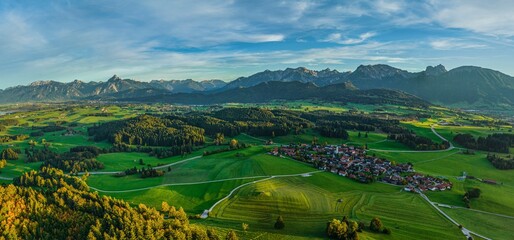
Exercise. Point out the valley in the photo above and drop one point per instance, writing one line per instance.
(248, 185)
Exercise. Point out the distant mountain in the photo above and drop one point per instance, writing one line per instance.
(468, 86)
(58, 91)
(187, 86)
(301, 74)
(379, 76)
(268, 91)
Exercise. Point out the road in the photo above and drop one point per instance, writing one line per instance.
(465, 231)
(205, 214)
(441, 137)
(451, 147)
(158, 167)
(6, 178)
(479, 211)
(175, 184)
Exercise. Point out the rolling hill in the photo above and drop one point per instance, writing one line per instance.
(268, 91)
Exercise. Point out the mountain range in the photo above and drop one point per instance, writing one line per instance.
(463, 86)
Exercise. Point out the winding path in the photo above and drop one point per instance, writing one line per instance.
(464, 230)
(174, 184)
(205, 214)
(479, 211)
(451, 147)
(158, 167)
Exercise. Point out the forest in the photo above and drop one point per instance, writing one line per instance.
(182, 132)
(497, 142)
(500, 162)
(52, 205)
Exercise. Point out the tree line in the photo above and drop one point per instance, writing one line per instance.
(497, 142)
(500, 162)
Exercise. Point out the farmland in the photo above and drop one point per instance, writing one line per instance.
(275, 186)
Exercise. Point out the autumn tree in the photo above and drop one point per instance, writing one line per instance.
(233, 143)
(375, 224)
(219, 139)
(231, 235)
(2, 163)
(245, 226)
(9, 154)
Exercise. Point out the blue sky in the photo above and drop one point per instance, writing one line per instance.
(145, 40)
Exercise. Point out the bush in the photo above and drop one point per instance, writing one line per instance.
(375, 224)
(279, 224)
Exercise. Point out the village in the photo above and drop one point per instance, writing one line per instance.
(353, 162)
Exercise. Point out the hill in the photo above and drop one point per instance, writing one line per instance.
(268, 91)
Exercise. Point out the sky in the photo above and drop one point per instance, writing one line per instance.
(212, 39)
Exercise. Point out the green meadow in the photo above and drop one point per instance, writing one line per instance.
(197, 182)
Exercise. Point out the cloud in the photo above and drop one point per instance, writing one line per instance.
(453, 44)
(221, 39)
(487, 17)
(18, 34)
(337, 38)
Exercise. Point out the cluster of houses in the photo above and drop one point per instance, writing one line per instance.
(354, 163)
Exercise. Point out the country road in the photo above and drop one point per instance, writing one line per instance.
(158, 167)
(479, 211)
(465, 231)
(205, 214)
(451, 147)
(6, 178)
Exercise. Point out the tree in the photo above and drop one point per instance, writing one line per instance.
(2, 163)
(375, 224)
(231, 235)
(233, 143)
(165, 207)
(9, 154)
(279, 224)
(366, 135)
(245, 226)
(219, 139)
(359, 135)
(212, 234)
(343, 229)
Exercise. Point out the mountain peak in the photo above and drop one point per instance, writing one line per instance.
(435, 71)
(42, 83)
(114, 78)
(379, 71)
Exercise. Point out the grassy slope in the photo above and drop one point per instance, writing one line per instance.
(495, 198)
(378, 200)
(496, 227)
(307, 203)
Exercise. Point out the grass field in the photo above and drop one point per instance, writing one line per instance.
(307, 203)
(450, 164)
(251, 162)
(15, 168)
(496, 227)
